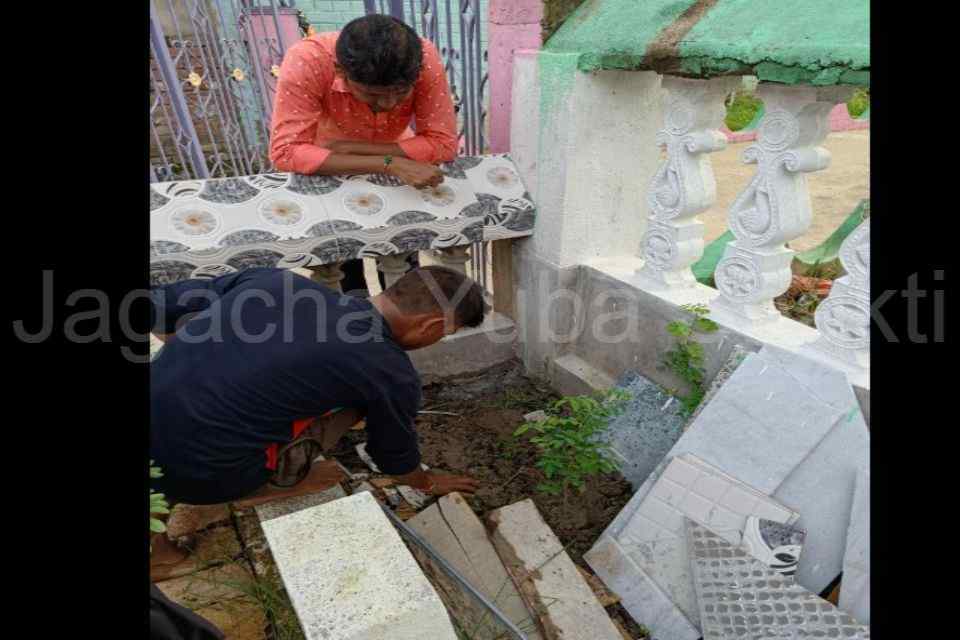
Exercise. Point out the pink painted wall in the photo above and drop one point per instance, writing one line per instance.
(840, 120)
(514, 24)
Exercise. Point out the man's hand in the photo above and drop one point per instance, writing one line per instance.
(438, 484)
(416, 174)
(444, 484)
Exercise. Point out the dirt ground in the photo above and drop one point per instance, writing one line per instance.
(834, 192)
(479, 442)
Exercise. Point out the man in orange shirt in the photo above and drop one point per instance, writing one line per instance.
(344, 105)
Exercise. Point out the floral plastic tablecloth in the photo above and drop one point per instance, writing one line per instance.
(235, 223)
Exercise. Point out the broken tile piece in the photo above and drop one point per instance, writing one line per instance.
(650, 424)
(452, 529)
(350, 576)
(740, 597)
(417, 499)
(855, 587)
(654, 538)
(546, 575)
(284, 506)
(393, 497)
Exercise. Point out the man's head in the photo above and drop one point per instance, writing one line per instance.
(379, 58)
(428, 303)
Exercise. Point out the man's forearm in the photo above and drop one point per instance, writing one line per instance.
(357, 148)
(348, 163)
(418, 479)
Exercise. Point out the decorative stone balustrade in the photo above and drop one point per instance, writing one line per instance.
(843, 319)
(775, 206)
(684, 184)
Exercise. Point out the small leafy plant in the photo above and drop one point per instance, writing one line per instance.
(570, 449)
(158, 503)
(687, 356)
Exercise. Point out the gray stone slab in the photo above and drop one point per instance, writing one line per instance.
(734, 360)
(763, 422)
(547, 576)
(821, 489)
(741, 597)
(649, 426)
(351, 577)
(638, 593)
(454, 531)
(855, 588)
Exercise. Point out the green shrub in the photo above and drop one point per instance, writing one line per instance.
(686, 358)
(570, 450)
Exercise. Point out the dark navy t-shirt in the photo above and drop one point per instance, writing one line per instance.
(268, 347)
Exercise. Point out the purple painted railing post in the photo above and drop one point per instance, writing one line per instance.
(186, 137)
(514, 24)
(270, 32)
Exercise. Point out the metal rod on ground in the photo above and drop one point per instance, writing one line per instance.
(453, 573)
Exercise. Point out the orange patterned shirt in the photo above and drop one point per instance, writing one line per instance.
(313, 106)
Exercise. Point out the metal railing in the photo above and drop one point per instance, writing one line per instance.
(213, 66)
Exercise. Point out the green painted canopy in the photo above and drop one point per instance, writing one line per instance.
(819, 42)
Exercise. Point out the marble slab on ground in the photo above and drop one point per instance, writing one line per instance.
(855, 587)
(638, 593)
(453, 530)
(350, 576)
(547, 577)
(655, 541)
(741, 597)
(649, 426)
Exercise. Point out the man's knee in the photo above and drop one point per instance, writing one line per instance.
(334, 426)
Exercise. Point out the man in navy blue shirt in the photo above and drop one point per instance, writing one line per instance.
(263, 369)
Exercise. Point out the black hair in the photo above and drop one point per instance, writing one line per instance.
(380, 51)
(433, 289)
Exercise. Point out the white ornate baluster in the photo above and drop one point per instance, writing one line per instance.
(684, 184)
(844, 317)
(775, 206)
(454, 258)
(393, 267)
